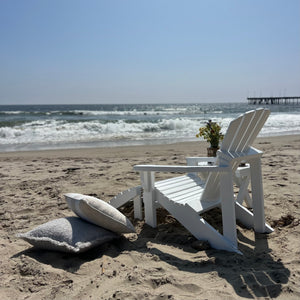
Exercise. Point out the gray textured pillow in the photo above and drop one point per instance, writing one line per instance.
(70, 234)
(99, 212)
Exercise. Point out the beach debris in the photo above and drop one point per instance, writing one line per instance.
(70, 170)
(285, 221)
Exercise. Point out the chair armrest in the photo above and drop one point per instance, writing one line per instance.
(180, 169)
(193, 161)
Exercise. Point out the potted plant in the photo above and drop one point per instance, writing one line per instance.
(211, 132)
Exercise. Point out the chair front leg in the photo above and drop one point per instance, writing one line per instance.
(228, 207)
(148, 180)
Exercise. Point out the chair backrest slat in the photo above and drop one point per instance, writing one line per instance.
(243, 143)
(241, 132)
(230, 134)
(262, 116)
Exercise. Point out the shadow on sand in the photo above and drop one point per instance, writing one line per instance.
(254, 274)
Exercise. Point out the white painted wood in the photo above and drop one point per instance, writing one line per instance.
(201, 207)
(243, 142)
(187, 196)
(175, 189)
(212, 188)
(243, 192)
(201, 229)
(260, 117)
(241, 132)
(148, 179)
(195, 196)
(150, 208)
(230, 134)
(194, 161)
(132, 194)
(125, 196)
(195, 191)
(242, 179)
(174, 180)
(257, 195)
(246, 217)
(182, 169)
(228, 208)
(137, 208)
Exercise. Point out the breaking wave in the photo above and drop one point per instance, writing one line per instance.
(58, 126)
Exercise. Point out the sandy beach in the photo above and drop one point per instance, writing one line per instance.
(154, 263)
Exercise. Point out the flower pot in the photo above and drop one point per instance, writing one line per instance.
(212, 151)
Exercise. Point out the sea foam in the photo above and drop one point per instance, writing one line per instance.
(58, 126)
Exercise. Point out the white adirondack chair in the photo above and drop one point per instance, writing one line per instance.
(187, 196)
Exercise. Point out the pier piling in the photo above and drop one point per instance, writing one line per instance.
(273, 100)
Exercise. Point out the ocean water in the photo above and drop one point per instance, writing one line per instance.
(35, 127)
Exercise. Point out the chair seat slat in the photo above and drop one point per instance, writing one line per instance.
(173, 189)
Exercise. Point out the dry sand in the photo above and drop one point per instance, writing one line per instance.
(160, 263)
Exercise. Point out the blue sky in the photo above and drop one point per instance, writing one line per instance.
(136, 51)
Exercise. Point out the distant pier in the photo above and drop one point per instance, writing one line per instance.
(273, 100)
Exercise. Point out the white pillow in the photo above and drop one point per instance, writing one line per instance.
(99, 212)
(70, 234)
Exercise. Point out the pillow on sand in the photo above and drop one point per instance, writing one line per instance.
(99, 212)
(70, 234)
